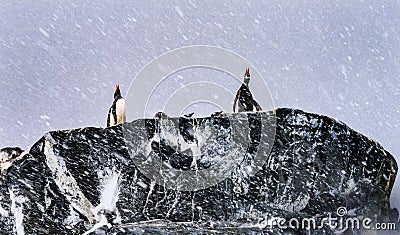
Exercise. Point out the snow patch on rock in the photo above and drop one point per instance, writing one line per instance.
(17, 211)
(108, 200)
(65, 182)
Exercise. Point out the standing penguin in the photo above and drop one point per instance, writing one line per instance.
(188, 115)
(160, 115)
(217, 114)
(116, 113)
(244, 101)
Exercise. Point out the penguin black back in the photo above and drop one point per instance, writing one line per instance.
(244, 101)
(113, 108)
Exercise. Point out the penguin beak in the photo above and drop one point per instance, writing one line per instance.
(247, 73)
(117, 87)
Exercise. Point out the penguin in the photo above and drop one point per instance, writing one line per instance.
(116, 113)
(217, 114)
(160, 115)
(188, 115)
(244, 101)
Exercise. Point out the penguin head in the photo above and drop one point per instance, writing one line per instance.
(160, 115)
(247, 76)
(117, 93)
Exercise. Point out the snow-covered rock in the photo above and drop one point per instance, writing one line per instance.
(87, 180)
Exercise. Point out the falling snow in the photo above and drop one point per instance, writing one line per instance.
(61, 60)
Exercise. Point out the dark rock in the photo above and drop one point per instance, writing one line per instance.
(73, 179)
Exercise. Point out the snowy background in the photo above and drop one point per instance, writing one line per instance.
(60, 61)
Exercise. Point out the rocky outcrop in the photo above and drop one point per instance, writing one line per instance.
(76, 180)
(8, 156)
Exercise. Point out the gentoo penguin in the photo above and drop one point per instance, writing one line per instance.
(217, 114)
(116, 113)
(188, 115)
(160, 115)
(244, 101)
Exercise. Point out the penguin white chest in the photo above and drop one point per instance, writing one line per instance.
(120, 111)
(238, 107)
